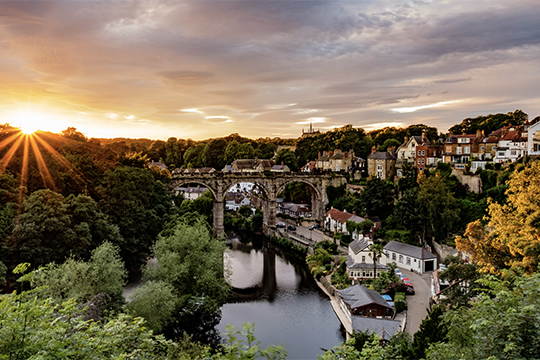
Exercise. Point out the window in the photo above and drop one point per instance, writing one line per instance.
(393, 256)
(482, 148)
(467, 149)
(400, 258)
(458, 150)
(408, 261)
(513, 153)
(379, 167)
(419, 152)
(363, 259)
(423, 152)
(501, 153)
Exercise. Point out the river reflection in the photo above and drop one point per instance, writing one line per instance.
(275, 291)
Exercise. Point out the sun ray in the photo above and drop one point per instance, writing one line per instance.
(42, 166)
(7, 157)
(4, 143)
(24, 173)
(61, 159)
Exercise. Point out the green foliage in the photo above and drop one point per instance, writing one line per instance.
(248, 349)
(191, 261)
(150, 296)
(287, 157)
(439, 207)
(344, 138)
(214, 154)
(296, 192)
(79, 280)
(330, 247)
(432, 330)
(502, 324)
(489, 123)
(389, 143)
(378, 198)
(40, 329)
(172, 153)
(139, 205)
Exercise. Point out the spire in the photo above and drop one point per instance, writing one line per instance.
(310, 128)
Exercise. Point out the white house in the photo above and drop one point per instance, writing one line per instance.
(360, 261)
(409, 257)
(533, 139)
(236, 200)
(190, 193)
(335, 220)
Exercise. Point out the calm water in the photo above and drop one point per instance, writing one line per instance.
(277, 294)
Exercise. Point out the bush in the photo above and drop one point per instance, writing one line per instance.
(329, 246)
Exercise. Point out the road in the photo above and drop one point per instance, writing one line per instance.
(417, 304)
(314, 235)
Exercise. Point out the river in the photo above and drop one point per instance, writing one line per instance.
(275, 292)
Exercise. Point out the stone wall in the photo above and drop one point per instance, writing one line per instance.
(443, 250)
(474, 181)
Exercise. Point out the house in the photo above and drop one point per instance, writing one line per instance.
(381, 164)
(512, 144)
(458, 149)
(280, 168)
(293, 210)
(309, 167)
(428, 155)
(341, 160)
(409, 257)
(190, 193)
(358, 300)
(336, 220)
(406, 153)
(533, 137)
(235, 201)
(251, 165)
(360, 262)
(159, 164)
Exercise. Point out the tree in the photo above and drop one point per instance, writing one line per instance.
(139, 205)
(432, 330)
(193, 156)
(190, 260)
(376, 252)
(501, 324)
(389, 143)
(214, 154)
(286, 157)
(43, 232)
(438, 205)
(33, 329)
(150, 296)
(378, 198)
(172, 152)
(73, 134)
(79, 280)
(513, 239)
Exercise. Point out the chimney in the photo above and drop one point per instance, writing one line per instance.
(319, 155)
(406, 139)
(346, 155)
(282, 163)
(478, 133)
(424, 137)
(373, 149)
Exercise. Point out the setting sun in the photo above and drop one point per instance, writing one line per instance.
(32, 120)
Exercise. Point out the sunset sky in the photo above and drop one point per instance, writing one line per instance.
(199, 69)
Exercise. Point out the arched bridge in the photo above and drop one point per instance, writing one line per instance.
(270, 183)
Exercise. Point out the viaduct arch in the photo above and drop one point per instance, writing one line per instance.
(270, 184)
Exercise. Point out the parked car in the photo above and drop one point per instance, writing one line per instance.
(281, 225)
(410, 290)
(292, 228)
(313, 227)
(407, 282)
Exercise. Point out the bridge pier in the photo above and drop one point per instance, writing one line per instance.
(219, 228)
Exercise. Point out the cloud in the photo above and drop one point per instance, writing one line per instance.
(420, 107)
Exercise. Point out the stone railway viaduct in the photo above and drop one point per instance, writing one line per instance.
(270, 184)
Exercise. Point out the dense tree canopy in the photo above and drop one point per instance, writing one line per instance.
(512, 236)
(489, 123)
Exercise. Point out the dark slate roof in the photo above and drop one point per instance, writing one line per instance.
(358, 245)
(382, 155)
(410, 250)
(383, 327)
(358, 295)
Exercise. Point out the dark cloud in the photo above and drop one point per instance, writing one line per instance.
(351, 61)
